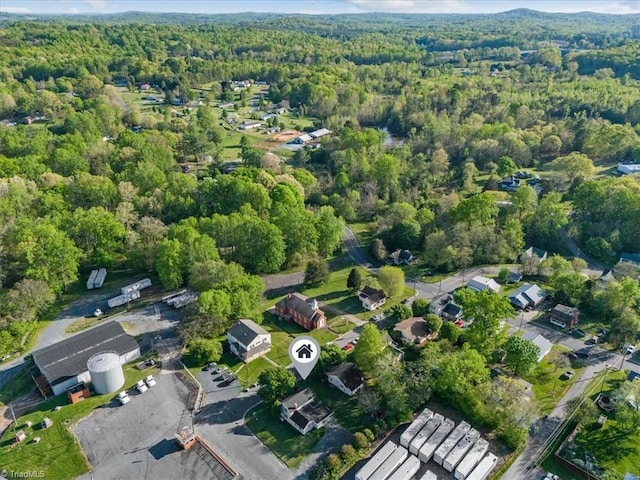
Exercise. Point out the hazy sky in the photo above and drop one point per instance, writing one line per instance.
(315, 6)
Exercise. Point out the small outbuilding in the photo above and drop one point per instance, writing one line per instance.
(480, 284)
(347, 378)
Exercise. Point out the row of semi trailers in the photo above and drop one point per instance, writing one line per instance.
(430, 435)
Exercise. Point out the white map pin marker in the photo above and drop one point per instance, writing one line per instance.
(304, 352)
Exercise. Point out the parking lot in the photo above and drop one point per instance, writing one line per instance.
(137, 440)
(220, 423)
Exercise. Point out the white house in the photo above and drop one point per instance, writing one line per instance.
(248, 340)
(249, 125)
(347, 378)
(480, 284)
(303, 412)
(542, 343)
(372, 298)
(320, 133)
(527, 296)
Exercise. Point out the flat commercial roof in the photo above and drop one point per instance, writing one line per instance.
(68, 358)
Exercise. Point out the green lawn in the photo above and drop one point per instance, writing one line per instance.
(58, 454)
(280, 437)
(249, 373)
(345, 409)
(363, 233)
(548, 387)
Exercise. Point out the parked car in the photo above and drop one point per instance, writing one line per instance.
(347, 347)
(579, 332)
(141, 386)
(150, 381)
(97, 313)
(123, 398)
(630, 349)
(568, 375)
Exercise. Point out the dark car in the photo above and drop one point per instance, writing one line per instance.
(579, 332)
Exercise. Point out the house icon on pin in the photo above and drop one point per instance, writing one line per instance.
(304, 351)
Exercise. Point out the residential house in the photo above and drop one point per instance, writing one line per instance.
(400, 257)
(444, 307)
(630, 258)
(303, 412)
(248, 340)
(509, 184)
(225, 105)
(628, 168)
(515, 277)
(527, 296)
(249, 125)
(372, 298)
(302, 310)
(267, 116)
(542, 343)
(531, 251)
(564, 316)
(347, 378)
(414, 330)
(301, 139)
(145, 86)
(320, 133)
(480, 284)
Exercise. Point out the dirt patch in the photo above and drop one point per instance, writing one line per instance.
(286, 135)
(21, 406)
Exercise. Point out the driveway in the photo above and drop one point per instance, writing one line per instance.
(221, 424)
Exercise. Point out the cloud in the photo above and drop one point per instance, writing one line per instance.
(413, 6)
(96, 3)
(619, 7)
(11, 9)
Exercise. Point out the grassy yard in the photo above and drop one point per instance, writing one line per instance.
(363, 233)
(345, 409)
(20, 384)
(249, 373)
(58, 454)
(280, 437)
(548, 387)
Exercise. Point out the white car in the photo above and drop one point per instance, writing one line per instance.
(141, 386)
(631, 349)
(123, 398)
(97, 313)
(150, 381)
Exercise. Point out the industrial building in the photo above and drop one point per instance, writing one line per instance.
(64, 364)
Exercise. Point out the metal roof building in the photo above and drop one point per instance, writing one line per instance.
(64, 364)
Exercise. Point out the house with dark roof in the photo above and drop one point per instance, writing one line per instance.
(531, 252)
(400, 257)
(64, 364)
(347, 378)
(303, 412)
(527, 296)
(248, 340)
(444, 307)
(509, 184)
(564, 316)
(414, 330)
(452, 312)
(302, 310)
(371, 298)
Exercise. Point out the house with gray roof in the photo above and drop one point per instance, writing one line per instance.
(533, 251)
(302, 310)
(248, 340)
(64, 364)
(303, 412)
(347, 378)
(527, 296)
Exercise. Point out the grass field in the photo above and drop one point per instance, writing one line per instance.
(58, 455)
(548, 387)
(280, 437)
(345, 409)
(20, 384)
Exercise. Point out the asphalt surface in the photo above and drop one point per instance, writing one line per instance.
(221, 424)
(137, 440)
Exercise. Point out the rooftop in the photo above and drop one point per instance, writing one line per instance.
(68, 358)
(413, 329)
(349, 375)
(373, 294)
(246, 331)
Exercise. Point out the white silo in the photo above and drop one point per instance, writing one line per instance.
(106, 372)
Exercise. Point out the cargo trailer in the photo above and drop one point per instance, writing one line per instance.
(429, 475)
(472, 459)
(374, 462)
(482, 471)
(122, 299)
(407, 470)
(415, 426)
(100, 278)
(392, 462)
(424, 434)
(428, 449)
(92, 279)
(446, 447)
(460, 450)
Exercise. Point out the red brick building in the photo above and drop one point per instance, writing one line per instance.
(302, 310)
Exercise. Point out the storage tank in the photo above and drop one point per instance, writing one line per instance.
(106, 372)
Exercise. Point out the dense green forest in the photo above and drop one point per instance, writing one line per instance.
(91, 175)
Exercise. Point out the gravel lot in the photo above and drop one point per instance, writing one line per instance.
(136, 440)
